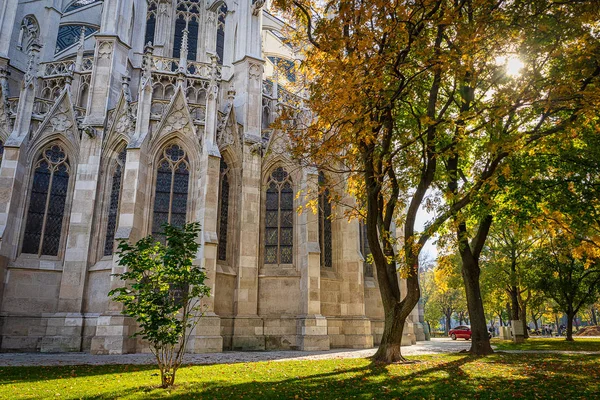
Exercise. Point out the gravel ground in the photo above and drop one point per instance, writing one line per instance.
(436, 346)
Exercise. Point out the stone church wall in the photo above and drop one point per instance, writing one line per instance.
(118, 111)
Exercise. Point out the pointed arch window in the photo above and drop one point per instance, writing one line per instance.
(113, 204)
(171, 192)
(78, 4)
(150, 22)
(365, 250)
(68, 35)
(43, 228)
(221, 15)
(30, 31)
(325, 236)
(187, 14)
(223, 210)
(279, 219)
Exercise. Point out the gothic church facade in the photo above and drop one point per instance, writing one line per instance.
(120, 115)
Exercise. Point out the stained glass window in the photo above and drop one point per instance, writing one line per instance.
(78, 4)
(1, 150)
(365, 250)
(68, 35)
(150, 22)
(221, 15)
(187, 15)
(113, 205)
(279, 219)
(286, 66)
(223, 211)
(171, 194)
(45, 214)
(325, 238)
(30, 30)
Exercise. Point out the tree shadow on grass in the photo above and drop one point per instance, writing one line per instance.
(370, 381)
(35, 374)
(464, 377)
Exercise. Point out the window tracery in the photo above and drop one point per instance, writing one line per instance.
(365, 250)
(221, 15)
(68, 35)
(171, 189)
(223, 210)
(325, 236)
(151, 16)
(279, 219)
(43, 227)
(187, 17)
(114, 201)
(78, 4)
(30, 31)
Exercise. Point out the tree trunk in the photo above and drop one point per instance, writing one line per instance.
(524, 318)
(447, 316)
(535, 322)
(514, 303)
(594, 318)
(556, 323)
(570, 316)
(389, 349)
(480, 341)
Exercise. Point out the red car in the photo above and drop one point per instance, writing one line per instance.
(461, 331)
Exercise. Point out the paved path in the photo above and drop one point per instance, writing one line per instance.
(436, 346)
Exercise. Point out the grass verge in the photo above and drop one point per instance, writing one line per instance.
(580, 344)
(500, 376)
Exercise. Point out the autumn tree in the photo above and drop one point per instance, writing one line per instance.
(446, 296)
(431, 312)
(508, 255)
(421, 103)
(567, 275)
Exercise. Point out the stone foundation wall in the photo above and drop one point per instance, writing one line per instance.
(29, 291)
(22, 333)
(96, 293)
(279, 296)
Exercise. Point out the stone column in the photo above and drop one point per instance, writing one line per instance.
(13, 168)
(65, 327)
(51, 20)
(8, 13)
(13, 161)
(113, 330)
(248, 331)
(206, 336)
(355, 325)
(311, 325)
(162, 30)
(210, 29)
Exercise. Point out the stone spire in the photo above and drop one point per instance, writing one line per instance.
(32, 63)
(80, 48)
(183, 53)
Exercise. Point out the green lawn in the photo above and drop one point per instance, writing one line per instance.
(580, 344)
(501, 376)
